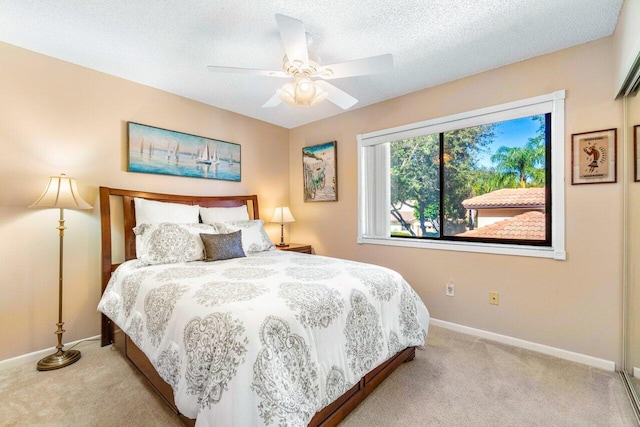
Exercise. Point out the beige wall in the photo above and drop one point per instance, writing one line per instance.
(573, 304)
(58, 117)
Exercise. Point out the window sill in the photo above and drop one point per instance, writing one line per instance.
(487, 248)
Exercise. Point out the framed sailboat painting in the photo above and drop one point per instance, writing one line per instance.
(167, 152)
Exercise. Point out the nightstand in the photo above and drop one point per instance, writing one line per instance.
(296, 247)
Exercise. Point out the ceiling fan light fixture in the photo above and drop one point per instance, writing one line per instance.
(321, 95)
(303, 92)
(287, 94)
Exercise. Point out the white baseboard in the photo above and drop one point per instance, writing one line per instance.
(636, 372)
(595, 362)
(37, 355)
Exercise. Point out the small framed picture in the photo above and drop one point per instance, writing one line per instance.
(593, 157)
(320, 173)
(636, 153)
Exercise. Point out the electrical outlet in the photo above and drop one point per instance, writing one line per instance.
(449, 289)
(494, 298)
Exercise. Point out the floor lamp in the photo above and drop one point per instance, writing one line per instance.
(61, 193)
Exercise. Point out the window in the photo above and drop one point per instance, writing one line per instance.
(489, 180)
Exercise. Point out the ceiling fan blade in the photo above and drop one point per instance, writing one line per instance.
(337, 96)
(371, 65)
(293, 38)
(273, 102)
(252, 71)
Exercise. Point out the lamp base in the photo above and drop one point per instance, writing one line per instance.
(58, 360)
(282, 245)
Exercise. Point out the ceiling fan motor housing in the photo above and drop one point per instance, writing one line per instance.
(298, 68)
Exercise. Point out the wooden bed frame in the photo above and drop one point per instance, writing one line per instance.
(112, 334)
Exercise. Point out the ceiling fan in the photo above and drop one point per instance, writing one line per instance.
(309, 86)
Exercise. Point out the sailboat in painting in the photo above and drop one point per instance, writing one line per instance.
(207, 157)
(214, 156)
(173, 152)
(149, 149)
(203, 159)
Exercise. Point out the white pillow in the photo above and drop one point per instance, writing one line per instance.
(168, 243)
(213, 215)
(152, 212)
(254, 238)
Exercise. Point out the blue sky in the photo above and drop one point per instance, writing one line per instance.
(512, 133)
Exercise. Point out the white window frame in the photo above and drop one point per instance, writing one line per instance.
(376, 231)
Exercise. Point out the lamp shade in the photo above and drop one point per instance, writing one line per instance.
(282, 214)
(61, 192)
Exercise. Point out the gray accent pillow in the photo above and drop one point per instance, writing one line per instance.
(222, 246)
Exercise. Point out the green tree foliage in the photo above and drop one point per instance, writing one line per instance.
(461, 149)
(415, 179)
(484, 181)
(521, 167)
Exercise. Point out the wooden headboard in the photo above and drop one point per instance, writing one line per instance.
(129, 222)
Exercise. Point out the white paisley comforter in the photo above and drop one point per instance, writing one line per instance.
(269, 339)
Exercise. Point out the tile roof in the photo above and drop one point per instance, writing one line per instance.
(528, 226)
(508, 198)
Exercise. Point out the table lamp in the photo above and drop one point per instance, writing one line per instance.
(282, 215)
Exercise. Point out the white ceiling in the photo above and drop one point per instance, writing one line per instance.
(167, 44)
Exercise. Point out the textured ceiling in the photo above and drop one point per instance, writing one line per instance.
(168, 44)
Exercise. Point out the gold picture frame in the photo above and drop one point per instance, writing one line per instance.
(593, 157)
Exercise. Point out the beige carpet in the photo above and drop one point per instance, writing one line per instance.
(458, 381)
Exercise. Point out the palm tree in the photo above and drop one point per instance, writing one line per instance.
(520, 166)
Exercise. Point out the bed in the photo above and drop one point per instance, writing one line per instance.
(267, 337)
